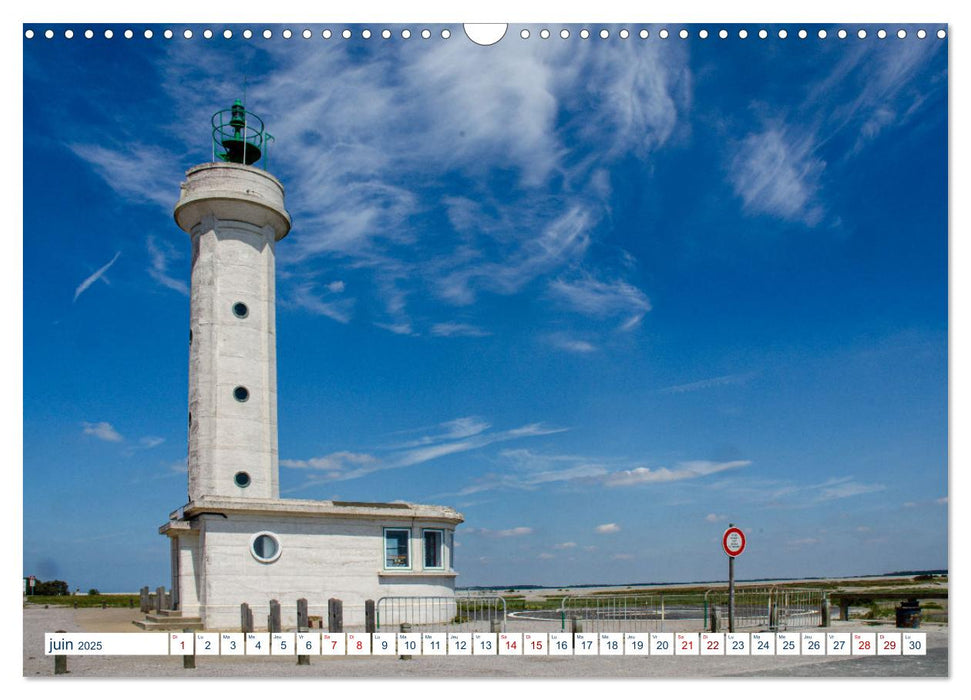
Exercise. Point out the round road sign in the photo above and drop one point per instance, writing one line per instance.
(733, 541)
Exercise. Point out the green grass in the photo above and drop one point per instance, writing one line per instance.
(85, 601)
(877, 612)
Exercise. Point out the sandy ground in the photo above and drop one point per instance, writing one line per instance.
(37, 621)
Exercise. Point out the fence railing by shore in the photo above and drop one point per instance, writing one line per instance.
(461, 613)
(769, 609)
(755, 608)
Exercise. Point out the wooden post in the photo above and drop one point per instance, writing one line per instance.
(303, 625)
(369, 624)
(824, 613)
(844, 609)
(495, 625)
(335, 615)
(159, 599)
(60, 660)
(245, 618)
(405, 628)
(144, 601)
(274, 620)
(714, 618)
(303, 618)
(575, 625)
(189, 660)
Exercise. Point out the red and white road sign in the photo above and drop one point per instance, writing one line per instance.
(733, 541)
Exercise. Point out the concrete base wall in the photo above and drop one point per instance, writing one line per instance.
(187, 593)
(320, 558)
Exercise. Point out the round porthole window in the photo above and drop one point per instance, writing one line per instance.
(241, 393)
(265, 547)
(242, 479)
(240, 310)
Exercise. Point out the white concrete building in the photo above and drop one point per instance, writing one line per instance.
(237, 541)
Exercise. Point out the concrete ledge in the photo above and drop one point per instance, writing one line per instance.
(296, 507)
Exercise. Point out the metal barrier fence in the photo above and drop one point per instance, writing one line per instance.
(800, 607)
(474, 613)
(755, 608)
(634, 613)
(767, 608)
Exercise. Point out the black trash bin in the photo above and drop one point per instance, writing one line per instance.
(908, 614)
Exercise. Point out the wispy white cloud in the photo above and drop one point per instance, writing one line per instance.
(334, 462)
(302, 295)
(775, 172)
(134, 171)
(724, 380)
(805, 495)
(458, 330)
(463, 427)
(563, 238)
(845, 488)
(148, 442)
(607, 529)
(565, 545)
(581, 471)
(515, 532)
(527, 470)
(162, 254)
(98, 275)
(569, 344)
(453, 437)
(102, 431)
(684, 470)
(486, 532)
(869, 92)
(381, 145)
(593, 297)
(397, 328)
(715, 518)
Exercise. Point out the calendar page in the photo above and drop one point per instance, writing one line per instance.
(417, 348)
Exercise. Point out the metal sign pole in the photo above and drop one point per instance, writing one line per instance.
(731, 589)
(731, 594)
(733, 542)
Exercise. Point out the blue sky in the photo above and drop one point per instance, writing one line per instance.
(602, 296)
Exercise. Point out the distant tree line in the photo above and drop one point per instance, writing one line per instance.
(48, 588)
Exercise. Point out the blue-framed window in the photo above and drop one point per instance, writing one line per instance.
(397, 548)
(433, 547)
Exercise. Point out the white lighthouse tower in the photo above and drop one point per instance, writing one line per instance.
(236, 541)
(235, 214)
